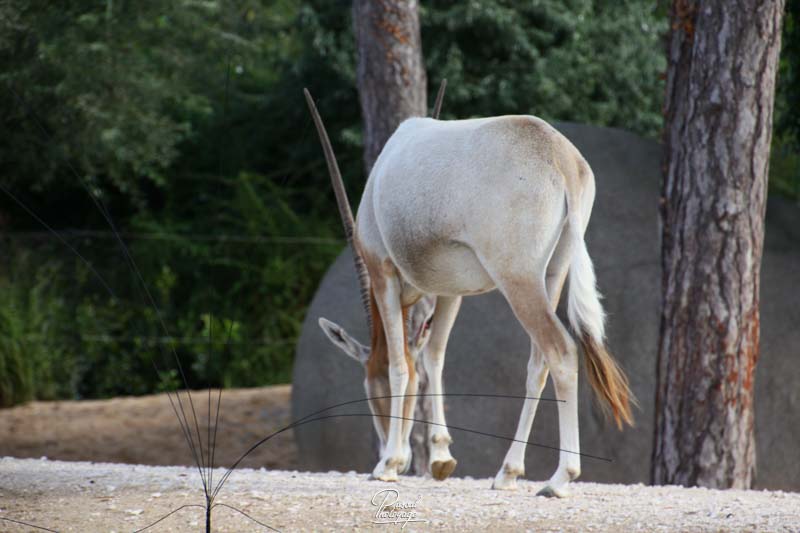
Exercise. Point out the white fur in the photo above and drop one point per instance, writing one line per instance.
(583, 305)
(455, 208)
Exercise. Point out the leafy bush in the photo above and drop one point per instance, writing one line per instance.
(185, 121)
(597, 62)
(230, 278)
(34, 326)
(784, 169)
(256, 274)
(785, 160)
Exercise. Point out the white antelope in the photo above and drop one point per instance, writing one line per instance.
(455, 208)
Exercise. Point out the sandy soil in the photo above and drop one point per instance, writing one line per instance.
(89, 497)
(145, 430)
(106, 497)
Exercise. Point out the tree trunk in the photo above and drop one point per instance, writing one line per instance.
(392, 86)
(722, 60)
(391, 75)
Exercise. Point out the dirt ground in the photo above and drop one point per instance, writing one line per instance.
(144, 430)
(91, 497)
(102, 497)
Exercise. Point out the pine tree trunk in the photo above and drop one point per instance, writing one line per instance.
(392, 83)
(722, 60)
(392, 86)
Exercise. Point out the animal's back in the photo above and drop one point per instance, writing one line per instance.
(442, 192)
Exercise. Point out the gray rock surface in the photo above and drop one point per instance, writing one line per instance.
(488, 350)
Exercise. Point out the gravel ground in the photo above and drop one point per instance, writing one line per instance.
(76, 496)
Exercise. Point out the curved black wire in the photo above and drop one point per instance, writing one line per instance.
(114, 297)
(308, 418)
(60, 238)
(141, 286)
(466, 430)
(213, 444)
(27, 524)
(170, 514)
(212, 448)
(245, 514)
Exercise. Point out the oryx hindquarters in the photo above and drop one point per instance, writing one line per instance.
(462, 207)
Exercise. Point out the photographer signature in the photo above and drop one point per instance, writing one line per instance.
(392, 511)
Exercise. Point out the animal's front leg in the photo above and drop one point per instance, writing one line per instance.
(442, 463)
(387, 297)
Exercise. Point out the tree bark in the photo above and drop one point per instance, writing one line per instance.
(392, 86)
(392, 83)
(722, 60)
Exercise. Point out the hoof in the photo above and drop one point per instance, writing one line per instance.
(505, 484)
(405, 465)
(550, 492)
(386, 475)
(441, 470)
(386, 470)
(506, 478)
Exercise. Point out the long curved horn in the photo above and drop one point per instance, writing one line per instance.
(344, 206)
(437, 107)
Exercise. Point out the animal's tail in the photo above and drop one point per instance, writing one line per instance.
(587, 319)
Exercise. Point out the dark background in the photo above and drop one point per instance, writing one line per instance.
(183, 124)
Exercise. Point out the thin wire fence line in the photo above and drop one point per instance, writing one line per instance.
(176, 237)
(114, 297)
(132, 265)
(108, 339)
(220, 238)
(146, 295)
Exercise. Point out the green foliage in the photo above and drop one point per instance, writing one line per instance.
(577, 60)
(254, 278)
(785, 159)
(185, 120)
(229, 278)
(32, 326)
(100, 77)
(788, 89)
(130, 94)
(784, 169)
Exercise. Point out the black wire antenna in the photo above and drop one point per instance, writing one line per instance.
(203, 456)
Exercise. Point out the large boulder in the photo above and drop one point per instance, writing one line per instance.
(488, 350)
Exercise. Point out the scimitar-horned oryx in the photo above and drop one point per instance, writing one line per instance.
(461, 207)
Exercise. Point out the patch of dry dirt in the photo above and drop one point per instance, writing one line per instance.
(89, 497)
(105, 497)
(145, 430)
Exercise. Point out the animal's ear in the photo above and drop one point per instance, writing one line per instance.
(344, 341)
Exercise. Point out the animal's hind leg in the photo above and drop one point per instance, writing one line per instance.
(529, 301)
(514, 463)
(442, 463)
